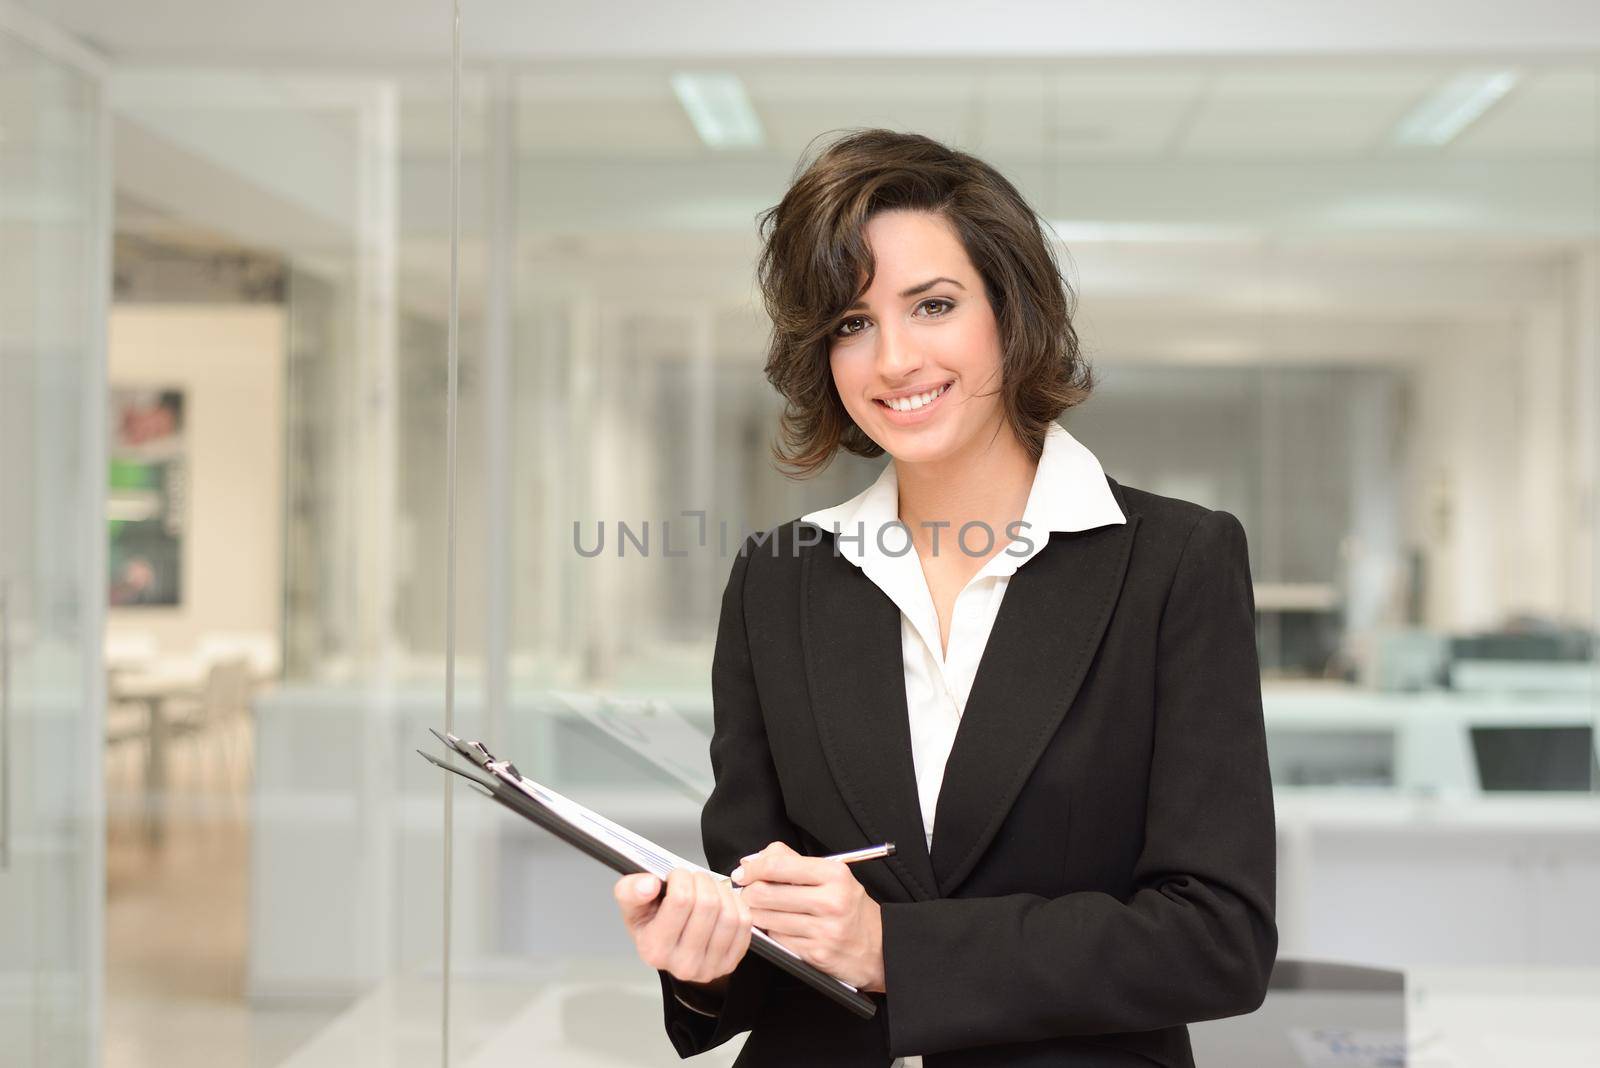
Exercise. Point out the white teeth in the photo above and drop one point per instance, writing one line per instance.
(915, 401)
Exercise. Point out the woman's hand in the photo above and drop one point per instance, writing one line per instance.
(816, 908)
(698, 932)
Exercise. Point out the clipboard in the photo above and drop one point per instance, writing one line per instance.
(619, 849)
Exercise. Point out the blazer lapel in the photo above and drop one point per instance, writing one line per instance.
(1051, 620)
(851, 633)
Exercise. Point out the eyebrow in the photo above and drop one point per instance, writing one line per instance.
(914, 290)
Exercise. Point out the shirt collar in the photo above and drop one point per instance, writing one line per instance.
(1069, 493)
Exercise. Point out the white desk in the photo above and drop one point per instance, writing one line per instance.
(154, 685)
(1375, 877)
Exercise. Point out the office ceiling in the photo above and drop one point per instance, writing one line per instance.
(1331, 110)
(364, 31)
(1147, 150)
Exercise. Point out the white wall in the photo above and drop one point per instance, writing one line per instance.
(228, 360)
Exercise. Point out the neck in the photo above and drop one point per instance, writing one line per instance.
(988, 482)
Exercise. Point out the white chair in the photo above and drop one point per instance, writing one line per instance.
(127, 729)
(259, 648)
(221, 706)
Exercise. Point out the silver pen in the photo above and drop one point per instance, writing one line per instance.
(876, 852)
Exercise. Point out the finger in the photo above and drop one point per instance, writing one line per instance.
(785, 897)
(780, 864)
(773, 848)
(690, 952)
(741, 939)
(803, 947)
(660, 935)
(726, 930)
(636, 896)
(784, 923)
(632, 889)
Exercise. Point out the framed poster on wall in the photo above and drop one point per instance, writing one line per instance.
(147, 499)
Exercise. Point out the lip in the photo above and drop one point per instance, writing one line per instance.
(921, 415)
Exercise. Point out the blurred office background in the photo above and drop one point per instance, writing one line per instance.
(1342, 282)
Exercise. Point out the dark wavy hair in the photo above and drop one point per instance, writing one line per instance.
(815, 254)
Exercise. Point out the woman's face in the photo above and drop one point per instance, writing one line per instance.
(917, 359)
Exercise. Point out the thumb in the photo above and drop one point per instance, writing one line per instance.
(633, 894)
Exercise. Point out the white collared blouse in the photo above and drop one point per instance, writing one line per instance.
(1069, 493)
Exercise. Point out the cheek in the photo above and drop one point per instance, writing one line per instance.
(973, 350)
(848, 376)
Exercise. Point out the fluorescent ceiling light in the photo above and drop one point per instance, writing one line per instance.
(720, 109)
(1453, 107)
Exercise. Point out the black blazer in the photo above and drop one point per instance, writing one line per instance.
(1103, 859)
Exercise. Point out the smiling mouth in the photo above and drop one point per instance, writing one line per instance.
(915, 400)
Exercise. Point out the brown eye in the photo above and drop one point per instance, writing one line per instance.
(840, 330)
(943, 306)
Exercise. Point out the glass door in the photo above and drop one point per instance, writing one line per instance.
(52, 315)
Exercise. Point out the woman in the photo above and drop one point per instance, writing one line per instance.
(1040, 684)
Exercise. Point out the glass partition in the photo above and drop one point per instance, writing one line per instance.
(52, 305)
(1330, 297)
(282, 263)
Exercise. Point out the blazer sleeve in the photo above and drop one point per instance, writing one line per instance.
(1197, 938)
(744, 813)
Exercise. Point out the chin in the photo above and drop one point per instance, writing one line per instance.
(915, 448)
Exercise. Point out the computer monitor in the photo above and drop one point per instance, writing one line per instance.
(1536, 758)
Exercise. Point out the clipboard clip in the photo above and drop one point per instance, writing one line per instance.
(479, 754)
(619, 849)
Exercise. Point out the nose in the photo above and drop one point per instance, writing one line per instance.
(897, 355)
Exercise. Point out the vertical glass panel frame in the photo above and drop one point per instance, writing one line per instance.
(53, 290)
